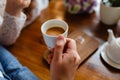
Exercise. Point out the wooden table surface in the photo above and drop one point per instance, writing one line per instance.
(30, 46)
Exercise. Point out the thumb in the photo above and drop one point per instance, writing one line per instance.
(59, 47)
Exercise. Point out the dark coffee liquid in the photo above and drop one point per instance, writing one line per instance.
(55, 31)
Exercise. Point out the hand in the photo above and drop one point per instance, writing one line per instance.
(15, 7)
(65, 59)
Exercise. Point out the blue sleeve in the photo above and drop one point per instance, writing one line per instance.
(13, 68)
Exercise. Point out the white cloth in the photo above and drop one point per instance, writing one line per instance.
(1, 21)
(2, 10)
(2, 7)
(1, 75)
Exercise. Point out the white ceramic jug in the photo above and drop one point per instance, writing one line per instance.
(113, 48)
(109, 15)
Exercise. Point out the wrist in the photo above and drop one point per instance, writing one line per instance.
(15, 13)
(13, 10)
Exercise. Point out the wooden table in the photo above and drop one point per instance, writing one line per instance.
(30, 46)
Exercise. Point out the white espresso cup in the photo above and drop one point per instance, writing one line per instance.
(49, 39)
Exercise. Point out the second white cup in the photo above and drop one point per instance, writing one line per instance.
(109, 15)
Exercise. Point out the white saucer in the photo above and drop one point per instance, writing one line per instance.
(106, 58)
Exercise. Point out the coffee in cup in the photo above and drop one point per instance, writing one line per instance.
(55, 31)
(51, 29)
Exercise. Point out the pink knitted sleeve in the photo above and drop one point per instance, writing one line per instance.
(11, 28)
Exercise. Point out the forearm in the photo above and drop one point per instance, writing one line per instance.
(11, 28)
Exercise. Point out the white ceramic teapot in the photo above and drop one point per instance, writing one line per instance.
(113, 48)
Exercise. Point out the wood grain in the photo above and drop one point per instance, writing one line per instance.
(30, 46)
(86, 45)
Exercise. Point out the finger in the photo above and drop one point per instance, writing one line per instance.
(49, 61)
(50, 57)
(71, 44)
(59, 47)
(52, 50)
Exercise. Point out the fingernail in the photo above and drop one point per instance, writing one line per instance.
(61, 40)
(60, 37)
